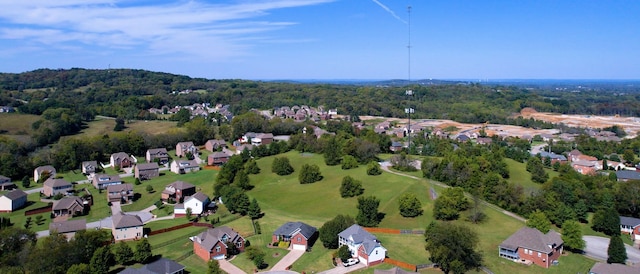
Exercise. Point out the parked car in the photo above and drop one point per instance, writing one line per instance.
(350, 262)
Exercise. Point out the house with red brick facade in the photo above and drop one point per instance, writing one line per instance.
(300, 235)
(530, 245)
(630, 226)
(215, 243)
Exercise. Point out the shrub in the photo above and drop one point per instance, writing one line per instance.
(281, 166)
(309, 174)
(283, 244)
(373, 168)
(349, 162)
(350, 187)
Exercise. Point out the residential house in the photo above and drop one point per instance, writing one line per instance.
(43, 172)
(68, 228)
(301, 236)
(160, 266)
(177, 191)
(70, 206)
(395, 146)
(576, 155)
(553, 157)
(215, 144)
(183, 148)
(120, 193)
(218, 158)
(159, 155)
(363, 245)
(584, 167)
(262, 139)
(630, 226)
(462, 138)
(89, 167)
(13, 200)
(121, 160)
(126, 227)
(52, 187)
(6, 184)
(605, 268)
(147, 171)
(530, 245)
(197, 202)
(393, 270)
(241, 148)
(247, 137)
(101, 181)
(627, 175)
(214, 243)
(485, 141)
(613, 165)
(184, 166)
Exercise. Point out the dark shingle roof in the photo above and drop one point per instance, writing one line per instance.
(629, 221)
(119, 188)
(147, 166)
(15, 194)
(628, 175)
(292, 228)
(532, 238)
(68, 226)
(200, 196)
(66, 202)
(360, 236)
(604, 268)
(210, 237)
(181, 185)
(56, 182)
(121, 220)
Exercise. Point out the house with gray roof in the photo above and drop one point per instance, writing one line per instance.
(52, 187)
(68, 228)
(363, 245)
(71, 206)
(301, 236)
(197, 202)
(177, 191)
(529, 245)
(122, 193)
(102, 181)
(126, 227)
(6, 184)
(182, 148)
(147, 171)
(39, 172)
(120, 160)
(630, 226)
(553, 157)
(89, 167)
(605, 268)
(627, 175)
(13, 200)
(160, 266)
(214, 243)
(157, 154)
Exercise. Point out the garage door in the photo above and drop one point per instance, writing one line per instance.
(299, 247)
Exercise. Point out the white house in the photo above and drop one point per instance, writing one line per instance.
(184, 166)
(363, 245)
(197, 202)
(13, 200)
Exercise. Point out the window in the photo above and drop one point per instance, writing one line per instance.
(239, 244)
(526, 251)
(217, 248)
(299, 239)
(539, 254)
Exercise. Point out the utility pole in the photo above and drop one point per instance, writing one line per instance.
(409, 92)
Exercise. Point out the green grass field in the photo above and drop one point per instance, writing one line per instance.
(519, 175)
(101, 126)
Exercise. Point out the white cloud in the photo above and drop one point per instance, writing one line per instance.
(207, 30)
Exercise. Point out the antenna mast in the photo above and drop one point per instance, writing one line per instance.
(409, 92)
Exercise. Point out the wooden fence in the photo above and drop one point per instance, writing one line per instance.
(382, 230)
(39, 210)
(168, 229)
(404, 265)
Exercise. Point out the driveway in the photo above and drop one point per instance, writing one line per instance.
(229, 267)
(596, 247)
(115, 208)
(288, 260)
(340, 269)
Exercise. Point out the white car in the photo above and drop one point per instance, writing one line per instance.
(351, 262)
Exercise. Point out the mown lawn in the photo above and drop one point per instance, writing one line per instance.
(519, 175)
(101, 126)
(17, 123)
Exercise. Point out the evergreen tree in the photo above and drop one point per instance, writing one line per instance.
(616, 251)
(368, 214)
(26, 182)
(535, 167)
(143, 251)
(242, 180)
(572, 235)
(101, 260)
(254, 210)
(123, 253)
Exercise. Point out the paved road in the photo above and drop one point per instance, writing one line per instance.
(597, 249)
(288, 260)
(230, 268)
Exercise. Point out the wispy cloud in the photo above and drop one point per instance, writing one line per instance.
(389, 11)
(203, 29)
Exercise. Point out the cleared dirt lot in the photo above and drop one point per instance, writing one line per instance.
(630, 124)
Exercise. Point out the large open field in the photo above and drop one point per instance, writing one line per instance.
(104, 125)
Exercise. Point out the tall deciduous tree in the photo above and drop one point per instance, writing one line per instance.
(328, 233)
(539, 221)
(309, 174)
(281, 166)
(349, 162)
(453, 247)
(449, 204)
(616, 251)
(373, 168)
(350, 187)
(331, 152)
(368, 214)
(101, 260)
(123, 253)
(143, 251)
(606, 221)
(572, 235)
(536, 168)
(409, 205)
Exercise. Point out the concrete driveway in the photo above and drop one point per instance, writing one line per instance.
(596, 247)
(340, 269)
(230, 268)
(288, 260)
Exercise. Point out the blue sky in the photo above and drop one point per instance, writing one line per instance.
(327, 39)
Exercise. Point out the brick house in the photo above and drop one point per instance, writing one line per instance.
(71, 206)
(182, 148)
(160, 154)
(215, 144)
(52, 187)
(363, 245)
(300, 235)
(120, 160)
(217, 158)
(120, 193)
(147, 171)
(215, 242)
(177, 191)
(630, 226)
(529, 244)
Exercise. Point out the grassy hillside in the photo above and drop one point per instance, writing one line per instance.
(519, 175)
(101, 126)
